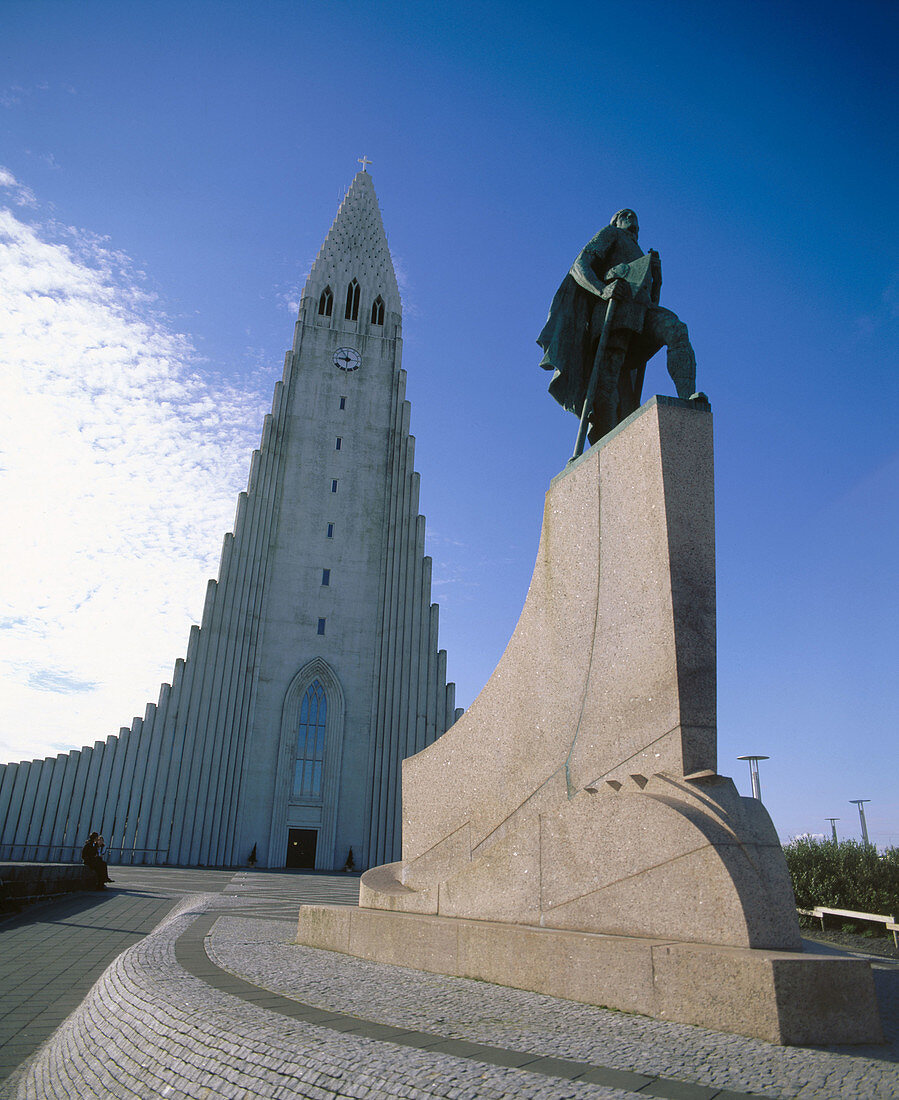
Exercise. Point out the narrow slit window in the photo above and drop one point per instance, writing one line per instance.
(330, 530)
(377, 311)
(338, 444)
(326, 303)
(352, 301)
(343, 402)
(326, 577)
(334, 485)
(321, 626)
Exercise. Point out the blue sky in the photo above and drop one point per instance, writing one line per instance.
(169, 171)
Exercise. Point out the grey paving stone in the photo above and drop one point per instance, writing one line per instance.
(555, 1067)
(615, 1078)
(679, 1090)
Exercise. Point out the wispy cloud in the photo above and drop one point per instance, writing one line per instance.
(21, 195)
(121, 455)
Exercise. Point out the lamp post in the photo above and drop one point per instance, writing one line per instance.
(754, 773)
(860, 802)
(833, 824)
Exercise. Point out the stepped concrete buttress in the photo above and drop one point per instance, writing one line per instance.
(570, 833)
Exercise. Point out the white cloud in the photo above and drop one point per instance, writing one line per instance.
(21, 195)
(120, 461)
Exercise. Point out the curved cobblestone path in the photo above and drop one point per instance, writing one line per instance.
(216, 1001)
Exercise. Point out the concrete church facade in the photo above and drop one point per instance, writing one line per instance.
(316, 667)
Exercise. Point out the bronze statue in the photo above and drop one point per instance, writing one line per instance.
(604, 324)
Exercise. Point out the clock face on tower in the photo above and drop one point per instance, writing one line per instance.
(347, 359)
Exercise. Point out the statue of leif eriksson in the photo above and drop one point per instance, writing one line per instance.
(604, 324)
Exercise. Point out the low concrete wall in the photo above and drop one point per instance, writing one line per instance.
(23, 882)
(780, 996)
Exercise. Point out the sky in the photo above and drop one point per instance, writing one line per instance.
(168, 172)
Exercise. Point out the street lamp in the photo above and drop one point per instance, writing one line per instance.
(833, 824)
(754, 773)
(860, 802)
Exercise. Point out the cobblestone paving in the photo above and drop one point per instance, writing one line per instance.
(484, 1013)
(152, 1027)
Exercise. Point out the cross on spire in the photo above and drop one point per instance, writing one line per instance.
(364, 161)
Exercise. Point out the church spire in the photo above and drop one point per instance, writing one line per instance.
(355, 249)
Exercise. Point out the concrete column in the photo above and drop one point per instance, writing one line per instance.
(381, 731)
(412, 698)
(52, 812)
(225, 690)
(169, 831)
(450, 699)
(153, 781)
(148, 734)
(7, 782)
(157, 835)
(245, 551)
(412, 576)
(394, 731)
(203, 745)
(58, 837)
(188, 806)
(101, 799)
(220, 690)
(434, 694)
(17, 781)
(421, 721)
(118, 747)
(393, 629)
(124, 806)
(38, 780)
(235, 673)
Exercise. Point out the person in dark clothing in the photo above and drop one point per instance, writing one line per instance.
(90, 857)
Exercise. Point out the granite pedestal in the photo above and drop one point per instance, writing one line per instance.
(570, 834)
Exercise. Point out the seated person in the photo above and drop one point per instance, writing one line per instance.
(90, 857)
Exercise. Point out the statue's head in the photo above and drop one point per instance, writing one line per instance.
(626, 220)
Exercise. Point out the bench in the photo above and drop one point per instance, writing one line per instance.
(822, 911)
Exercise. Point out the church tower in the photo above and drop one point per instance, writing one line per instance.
(316, 667)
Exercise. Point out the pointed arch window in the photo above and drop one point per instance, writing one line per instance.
(377, 311)
(352, 301)
(307, 782)
(326, 303)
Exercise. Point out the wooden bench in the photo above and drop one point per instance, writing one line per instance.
(822, 911)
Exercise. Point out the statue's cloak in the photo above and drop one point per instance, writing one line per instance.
(566, 341)
(576, 316)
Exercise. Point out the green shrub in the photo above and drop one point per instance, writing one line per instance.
(845, 875)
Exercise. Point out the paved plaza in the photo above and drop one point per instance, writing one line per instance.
(185, 983)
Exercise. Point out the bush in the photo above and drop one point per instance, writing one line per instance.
(845, 875)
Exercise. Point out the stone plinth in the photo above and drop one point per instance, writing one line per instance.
(579, 797)
(778, 996)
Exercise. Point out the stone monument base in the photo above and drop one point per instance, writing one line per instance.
(780, 996)
(571, 834)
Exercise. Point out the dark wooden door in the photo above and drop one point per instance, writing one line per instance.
(301, 847)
